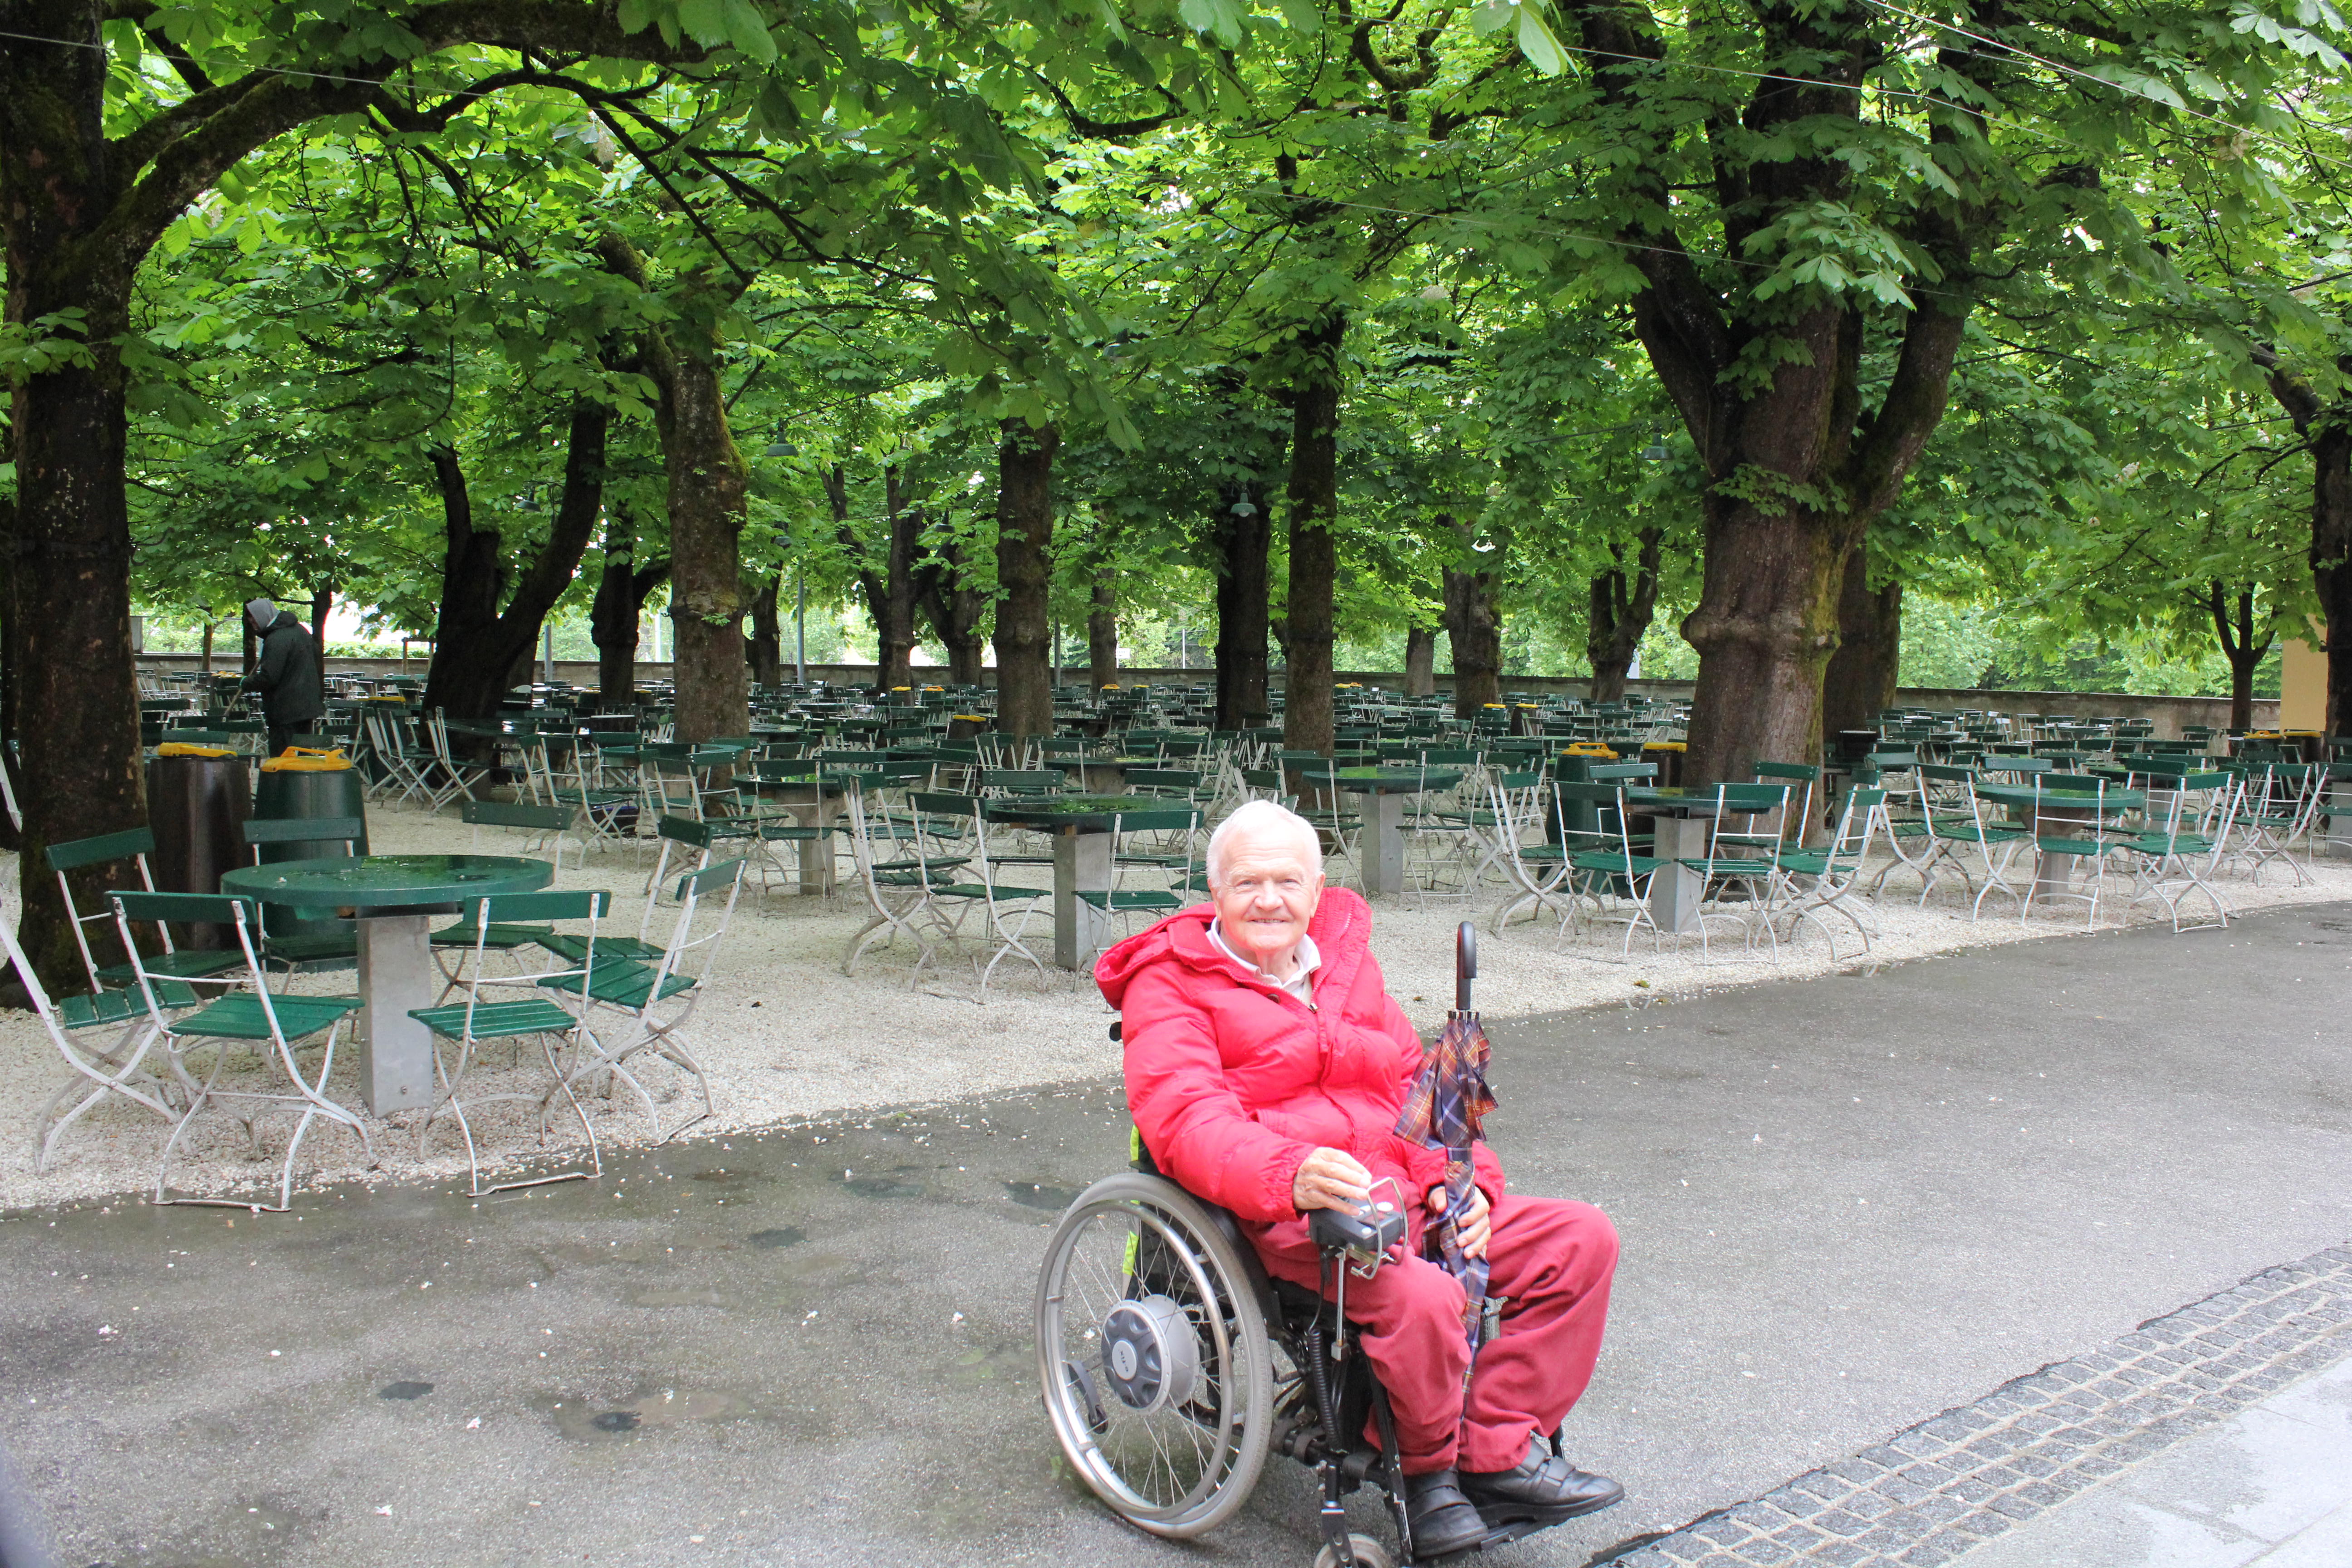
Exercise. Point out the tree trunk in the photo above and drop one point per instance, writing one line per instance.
(11, 660)
(2327, 430)
(473, 582)
(1474, 629)
(477, 645)
(77, 714)
(1102, 631)
(967, 658)
(891, 593)
(1764, 628)
(206, 667)
(1306, 720)
(1620, 615)
(1420, 659)
(765, 649)
(252, 643)
(613, 620)
(2239, 647)
(1859, 683)
(954, 608)
(323, 605)
(79, 770)
(1796, 467)
(707, 498)
(1775, 565)
(621, 595)
(2331, 563)
(892, 599)
(1244, 539)
(1025, 538)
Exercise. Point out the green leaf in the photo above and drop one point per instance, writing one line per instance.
(1535, 42)
(1221, 18)
(1492, 17)
(704, 20)
(1303, 15)
(748, 31)
(636, 16)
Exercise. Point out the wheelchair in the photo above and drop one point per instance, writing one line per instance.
(1171, 1365)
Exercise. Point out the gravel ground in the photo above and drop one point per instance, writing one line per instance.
(785, 1036)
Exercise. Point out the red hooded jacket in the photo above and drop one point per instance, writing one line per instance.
(1232, 1081)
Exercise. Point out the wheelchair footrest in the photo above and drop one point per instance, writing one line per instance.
(1501, 1536)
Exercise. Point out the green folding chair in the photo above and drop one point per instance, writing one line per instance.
(330, 944)
(135, 844)
(461, 1029)
(630, 1009)
(254, 1023)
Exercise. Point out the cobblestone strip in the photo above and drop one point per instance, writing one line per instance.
(1929, 1494)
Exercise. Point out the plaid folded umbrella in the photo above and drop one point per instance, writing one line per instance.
(1447, 1109)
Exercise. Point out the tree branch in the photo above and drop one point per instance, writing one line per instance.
(1111, 129)
(191, 144)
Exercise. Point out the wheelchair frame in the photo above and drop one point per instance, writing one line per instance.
(1176, 1252)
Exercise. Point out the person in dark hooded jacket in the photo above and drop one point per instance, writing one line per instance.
(288, 674)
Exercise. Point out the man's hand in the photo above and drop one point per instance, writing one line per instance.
(1331, 1179)
(1476, 1225)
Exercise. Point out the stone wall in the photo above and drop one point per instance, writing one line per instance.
(2170, 713)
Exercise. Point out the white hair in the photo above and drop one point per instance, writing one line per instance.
(1252, 818)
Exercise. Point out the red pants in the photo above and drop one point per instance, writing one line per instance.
(1552, 1258)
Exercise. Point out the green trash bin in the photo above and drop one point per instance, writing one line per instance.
(1582, 817)
(294, 787)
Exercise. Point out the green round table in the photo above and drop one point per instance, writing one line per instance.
(2053, 871)
(1080, 826)
(1380, 847)
(394, 898)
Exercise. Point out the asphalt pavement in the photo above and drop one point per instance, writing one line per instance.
(1845, 1204)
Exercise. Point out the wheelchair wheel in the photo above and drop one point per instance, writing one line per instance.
(1363, 1553)
(1153, 1356)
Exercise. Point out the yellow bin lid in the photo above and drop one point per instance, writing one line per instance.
(306, 760)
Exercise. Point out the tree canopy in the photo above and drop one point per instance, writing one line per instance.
(1542, 325)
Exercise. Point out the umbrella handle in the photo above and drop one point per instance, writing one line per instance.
(1465, 964)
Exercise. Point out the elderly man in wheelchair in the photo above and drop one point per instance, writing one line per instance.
(1258, 1283)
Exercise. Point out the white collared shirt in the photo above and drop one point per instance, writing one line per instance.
(1305, 956)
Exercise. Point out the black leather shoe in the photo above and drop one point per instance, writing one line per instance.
(1542, 1490)
(1443, 1520)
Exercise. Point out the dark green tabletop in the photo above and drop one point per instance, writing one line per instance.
(2063, 799)
(387, 881)
(1072, 812)
(1385, 781)
(1670, 800)
(869, 774)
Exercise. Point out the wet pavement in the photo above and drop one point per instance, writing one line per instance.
(2273, 1488)
(1846, 1204)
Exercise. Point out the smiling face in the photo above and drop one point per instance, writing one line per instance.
(1265, 889)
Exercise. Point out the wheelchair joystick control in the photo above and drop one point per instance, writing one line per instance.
(1366, 1234)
